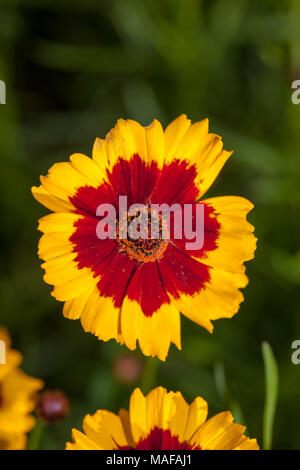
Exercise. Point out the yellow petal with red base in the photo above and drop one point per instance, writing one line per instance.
(236, 242)
(193, 143)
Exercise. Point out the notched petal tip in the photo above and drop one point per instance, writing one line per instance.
(153, 123)
(35, 189)
(97, 144)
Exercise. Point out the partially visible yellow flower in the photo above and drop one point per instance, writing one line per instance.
(161, 420)
(16, 399)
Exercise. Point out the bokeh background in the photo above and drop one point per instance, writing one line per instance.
(72, 67)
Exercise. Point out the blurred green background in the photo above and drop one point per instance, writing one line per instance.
(73, 67)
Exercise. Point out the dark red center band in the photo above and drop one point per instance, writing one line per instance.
(161, 439)
(144, 270)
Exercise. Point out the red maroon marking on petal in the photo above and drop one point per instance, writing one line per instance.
(181, 274)
(91, 252)
(211, 232)
(142, 183)
(134, 178)
(176, 184)
(103, 258)
(146, 288)
(88, 198)
(161, 439)
(116, 278)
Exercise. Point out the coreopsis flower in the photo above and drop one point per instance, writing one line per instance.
(163, 421)
(17, 399)
(133, 288)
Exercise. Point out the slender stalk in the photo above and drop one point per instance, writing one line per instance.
(35, 436)
(149, 376)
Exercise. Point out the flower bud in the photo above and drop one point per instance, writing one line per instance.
(127, 368)
(53, 406)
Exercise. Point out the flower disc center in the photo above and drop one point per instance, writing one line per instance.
(145, 240)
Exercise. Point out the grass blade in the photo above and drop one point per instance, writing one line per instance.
(271, 394)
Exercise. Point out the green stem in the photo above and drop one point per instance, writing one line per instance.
(35, 436)
(148, 380)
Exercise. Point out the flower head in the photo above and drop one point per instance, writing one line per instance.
(17, 399)
(161, 420)
(132, 288)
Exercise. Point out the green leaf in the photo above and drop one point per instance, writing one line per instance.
(271, 395)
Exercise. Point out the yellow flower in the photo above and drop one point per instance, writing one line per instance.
(133, 289)
(161, 420)
(16, 399)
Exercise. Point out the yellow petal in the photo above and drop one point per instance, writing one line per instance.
(137, 413)
(105, 429)
(101, 317)
(58, 222)
(155, 140)
(53, 203)
(236, 242)
(194, 144)
(154, 333)
(174, 134)
(75, 287)
(197, 415)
